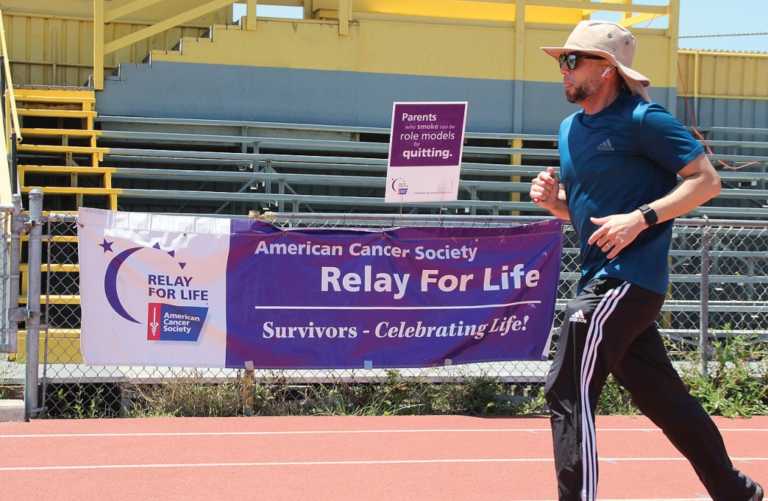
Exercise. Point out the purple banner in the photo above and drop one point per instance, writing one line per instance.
(427, 134)
(414, 297)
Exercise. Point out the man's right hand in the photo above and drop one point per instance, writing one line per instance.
(545, 189)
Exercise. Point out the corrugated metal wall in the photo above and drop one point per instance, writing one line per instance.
(723, 89)
(723, 74)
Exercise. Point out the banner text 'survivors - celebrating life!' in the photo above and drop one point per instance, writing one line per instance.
(425, 148)
(215, 292)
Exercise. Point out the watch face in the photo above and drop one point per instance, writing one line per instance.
(648, 214)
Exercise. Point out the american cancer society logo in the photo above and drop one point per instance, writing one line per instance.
(180, 321)
(166, 322)
(400, 186)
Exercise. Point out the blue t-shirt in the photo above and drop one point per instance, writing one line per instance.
(612, 162)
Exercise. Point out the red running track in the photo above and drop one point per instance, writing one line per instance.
(344, 458)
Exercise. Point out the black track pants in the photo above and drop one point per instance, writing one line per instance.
(610, 328)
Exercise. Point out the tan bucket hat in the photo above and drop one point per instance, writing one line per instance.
(608, 40)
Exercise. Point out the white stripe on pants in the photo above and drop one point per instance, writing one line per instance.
(594, 336)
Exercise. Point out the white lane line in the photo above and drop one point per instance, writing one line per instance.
(335, 432)
(256, 464)
(635, 499)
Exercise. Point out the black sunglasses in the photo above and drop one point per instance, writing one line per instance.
(572, 60)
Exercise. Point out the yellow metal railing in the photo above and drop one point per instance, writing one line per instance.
(102, 16)
(11, 97)
(11, 131)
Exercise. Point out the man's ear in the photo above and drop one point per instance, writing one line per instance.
(605, 72)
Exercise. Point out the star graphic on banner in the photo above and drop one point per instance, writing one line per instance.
(107, 246)
(171, 253)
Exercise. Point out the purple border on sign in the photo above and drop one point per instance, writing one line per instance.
(427, 134)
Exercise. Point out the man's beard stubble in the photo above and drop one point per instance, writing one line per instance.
(577, 94)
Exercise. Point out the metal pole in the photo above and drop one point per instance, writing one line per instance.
(31, 403)
(17, 228)
(14, 158)
(704, 300)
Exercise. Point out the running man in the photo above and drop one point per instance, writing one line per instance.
(620, 158)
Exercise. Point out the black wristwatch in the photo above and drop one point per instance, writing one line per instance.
(649, 214)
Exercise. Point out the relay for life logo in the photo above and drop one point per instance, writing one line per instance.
(179, 317)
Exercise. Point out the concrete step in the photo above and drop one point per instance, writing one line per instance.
(11, 410)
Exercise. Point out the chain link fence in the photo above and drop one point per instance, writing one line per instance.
(719, 272)
(7, 335)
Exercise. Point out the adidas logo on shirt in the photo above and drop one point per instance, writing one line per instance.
(605, 146)
(578, 317)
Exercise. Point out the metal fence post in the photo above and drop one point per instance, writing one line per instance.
(14, 160)
(14, 275)
(704, 299)
(31, 403)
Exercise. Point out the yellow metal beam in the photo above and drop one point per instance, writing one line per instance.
(628, 22)
(55, 97)
(55, 148)
(56, 113)
(491, 11)
(587, 14)
(598, 6)
(54, 299)
(55, 268)
(69, 190)
(165, 25)
(519, 68)
(60, 132)
(723, 96)
(98, 44)
(5, 176)
(345, 14)
(60, 333)
(61, 169)
(705, 52)
(696, 69)
(56, 213)
(9, 82)
(128, 9)
(288, 3)
(66, 239)
(76, 95)
(672, 33)
(250, 17)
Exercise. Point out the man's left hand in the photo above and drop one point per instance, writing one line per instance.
(616, 232)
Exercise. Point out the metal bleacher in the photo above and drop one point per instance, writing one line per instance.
(235, 166)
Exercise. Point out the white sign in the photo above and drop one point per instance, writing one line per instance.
(427, 141)
(153, 288)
